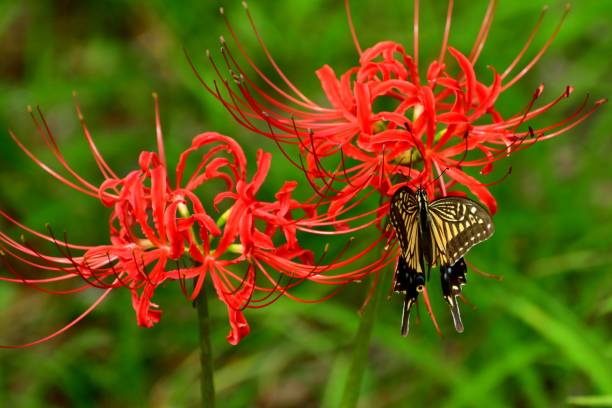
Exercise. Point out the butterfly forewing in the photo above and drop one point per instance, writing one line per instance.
(457, 225)
(403, 213)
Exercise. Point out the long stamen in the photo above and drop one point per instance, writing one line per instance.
(49, 170)
(272, 61)
(35, 283)
(105, 169)
(49, 140)
(66, 327)
(485, 27)
(541, 52)
(527, 43)
(264, 77)
(415, 38)
(447, 26)
(349, 17)
(158, 131)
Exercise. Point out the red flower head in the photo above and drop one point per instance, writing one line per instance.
(388, 116)
(163, 231)
(391, 121)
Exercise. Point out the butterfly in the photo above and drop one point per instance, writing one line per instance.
(440, 233)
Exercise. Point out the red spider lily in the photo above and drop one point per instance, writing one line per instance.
(161, 231)
(436, 118)
(389, 121)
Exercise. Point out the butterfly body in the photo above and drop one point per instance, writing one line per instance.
(424, 230)
(436, 233)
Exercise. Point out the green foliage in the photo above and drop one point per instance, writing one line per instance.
(540, 337)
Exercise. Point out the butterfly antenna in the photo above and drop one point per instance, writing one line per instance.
(438, 176)
(410, 163)
(409, 129)
(382, 173)
(465, 152)
(457, 165)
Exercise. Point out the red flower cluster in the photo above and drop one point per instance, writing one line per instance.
(385, 117)
(155, 227)
(386, 124)
(390, 122)
(208, 223)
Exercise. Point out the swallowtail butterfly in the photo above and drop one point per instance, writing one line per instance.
(439, 233)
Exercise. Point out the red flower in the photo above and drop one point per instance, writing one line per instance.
(163, 231)
(386, 117)
(389, 122)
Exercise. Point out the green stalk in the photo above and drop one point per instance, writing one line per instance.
(206, 359)
(207, 385)
(361, 347)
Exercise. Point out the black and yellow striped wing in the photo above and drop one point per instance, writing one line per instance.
(437, 233)
(404, 211)
(457, 224)
(409, 276)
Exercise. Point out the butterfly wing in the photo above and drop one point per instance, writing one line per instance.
(408, 281)
(408, 277)
(457, 224)
(404, 219)
(452, 278)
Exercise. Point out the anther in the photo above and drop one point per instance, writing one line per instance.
(538, 91)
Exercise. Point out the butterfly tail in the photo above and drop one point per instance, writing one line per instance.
(454, 307)
(408, 302)
(452, 279)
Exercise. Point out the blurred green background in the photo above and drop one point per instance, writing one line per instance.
(541, 337)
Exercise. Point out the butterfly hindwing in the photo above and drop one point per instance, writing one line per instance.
(408, 281)
(452, 278)
(409, 278)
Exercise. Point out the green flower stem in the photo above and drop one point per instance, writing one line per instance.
(361, 347)
(206, 359)
(207, 385)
